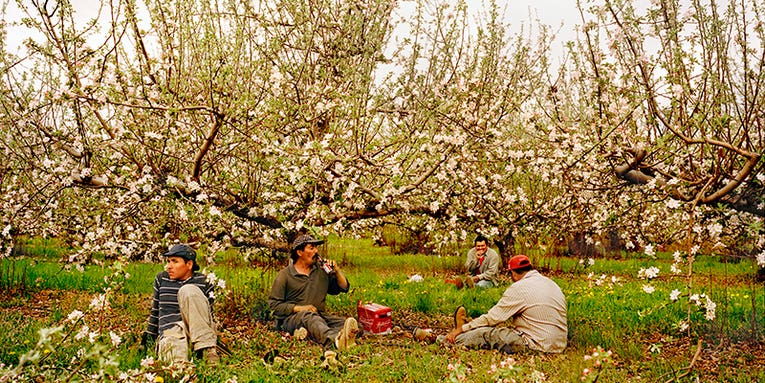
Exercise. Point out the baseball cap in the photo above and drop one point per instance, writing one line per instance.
(184, 251)
(518, 262)
(304, 240)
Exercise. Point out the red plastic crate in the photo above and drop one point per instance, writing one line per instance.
(375, 318)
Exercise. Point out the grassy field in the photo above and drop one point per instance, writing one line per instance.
(607, 308)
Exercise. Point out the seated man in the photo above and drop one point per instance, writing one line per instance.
(534, 303)
(181, 310)
(482, 264)
(298, 297)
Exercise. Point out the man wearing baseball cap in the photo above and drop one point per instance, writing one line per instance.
(535, 304)
(298, 298)
(181, 310)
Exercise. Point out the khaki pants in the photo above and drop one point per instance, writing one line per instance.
(197, 327)
(488, 338)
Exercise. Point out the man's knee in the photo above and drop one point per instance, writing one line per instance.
(305, 316)
(190, 291)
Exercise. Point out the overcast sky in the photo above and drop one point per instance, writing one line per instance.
(518, 13)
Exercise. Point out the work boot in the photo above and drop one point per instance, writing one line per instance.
(300, 333)
(469, 282)
(460, 317)
(211, 356)
(346, 338)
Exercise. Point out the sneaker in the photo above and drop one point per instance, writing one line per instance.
(460, 317)
(346, 338)
(330, 360)
(300, 333)
(211, 356)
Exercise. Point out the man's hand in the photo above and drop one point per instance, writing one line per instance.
(310, 308)
(452, 335)
(147, 342)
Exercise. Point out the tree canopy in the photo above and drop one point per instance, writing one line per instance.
(240, 123)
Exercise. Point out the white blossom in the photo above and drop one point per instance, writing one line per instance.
(116, 340)
(74, 316)
(649, 273)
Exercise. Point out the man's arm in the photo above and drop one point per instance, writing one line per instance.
(492, 266)
(338, 283)
(277, 298)
(152, 325)
(471, 260)
(510, 304)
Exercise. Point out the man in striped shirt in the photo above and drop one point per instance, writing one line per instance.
(181, 311)
(536, 306)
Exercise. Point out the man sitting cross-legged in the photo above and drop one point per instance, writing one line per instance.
(298, 298)
(534, 303)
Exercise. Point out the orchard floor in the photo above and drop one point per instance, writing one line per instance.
(41, 308)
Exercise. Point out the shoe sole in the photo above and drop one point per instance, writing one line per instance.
(347, 335)
(300, 333)
(464, 320)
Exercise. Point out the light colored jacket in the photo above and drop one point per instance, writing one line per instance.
(537, 308)
(488, 270)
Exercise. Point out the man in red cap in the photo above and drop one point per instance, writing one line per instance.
(535, 304)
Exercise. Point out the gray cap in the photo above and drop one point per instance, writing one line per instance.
(184, 251)
(304, 240)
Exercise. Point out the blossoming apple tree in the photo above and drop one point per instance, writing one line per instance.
(241, 123)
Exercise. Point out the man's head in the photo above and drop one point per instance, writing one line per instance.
(519, 265)
(181, 261)
(481, 245)
(304, 244)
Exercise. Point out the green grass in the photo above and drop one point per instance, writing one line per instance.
(639, 328)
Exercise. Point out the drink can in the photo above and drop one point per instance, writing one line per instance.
(324, 265)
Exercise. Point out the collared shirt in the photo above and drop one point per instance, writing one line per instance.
(292, 288)
(485, 270)
(164, 306)
(537, 308)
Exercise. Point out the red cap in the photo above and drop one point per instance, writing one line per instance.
(518, 262)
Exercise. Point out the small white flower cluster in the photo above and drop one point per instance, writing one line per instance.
(705, 302)
(649, 250)
(220, 285)
(649, 273)
(603, 279)
(761, 259)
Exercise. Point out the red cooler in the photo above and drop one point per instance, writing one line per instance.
(374, 318)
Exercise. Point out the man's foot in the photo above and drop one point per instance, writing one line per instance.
(211, 356)
(469, 282)
(460, 317)
(300, 333)
(423, 335)
(330, 360)
(346, 338)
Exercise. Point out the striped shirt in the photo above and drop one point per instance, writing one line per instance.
(537, 308)
(164, 307)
